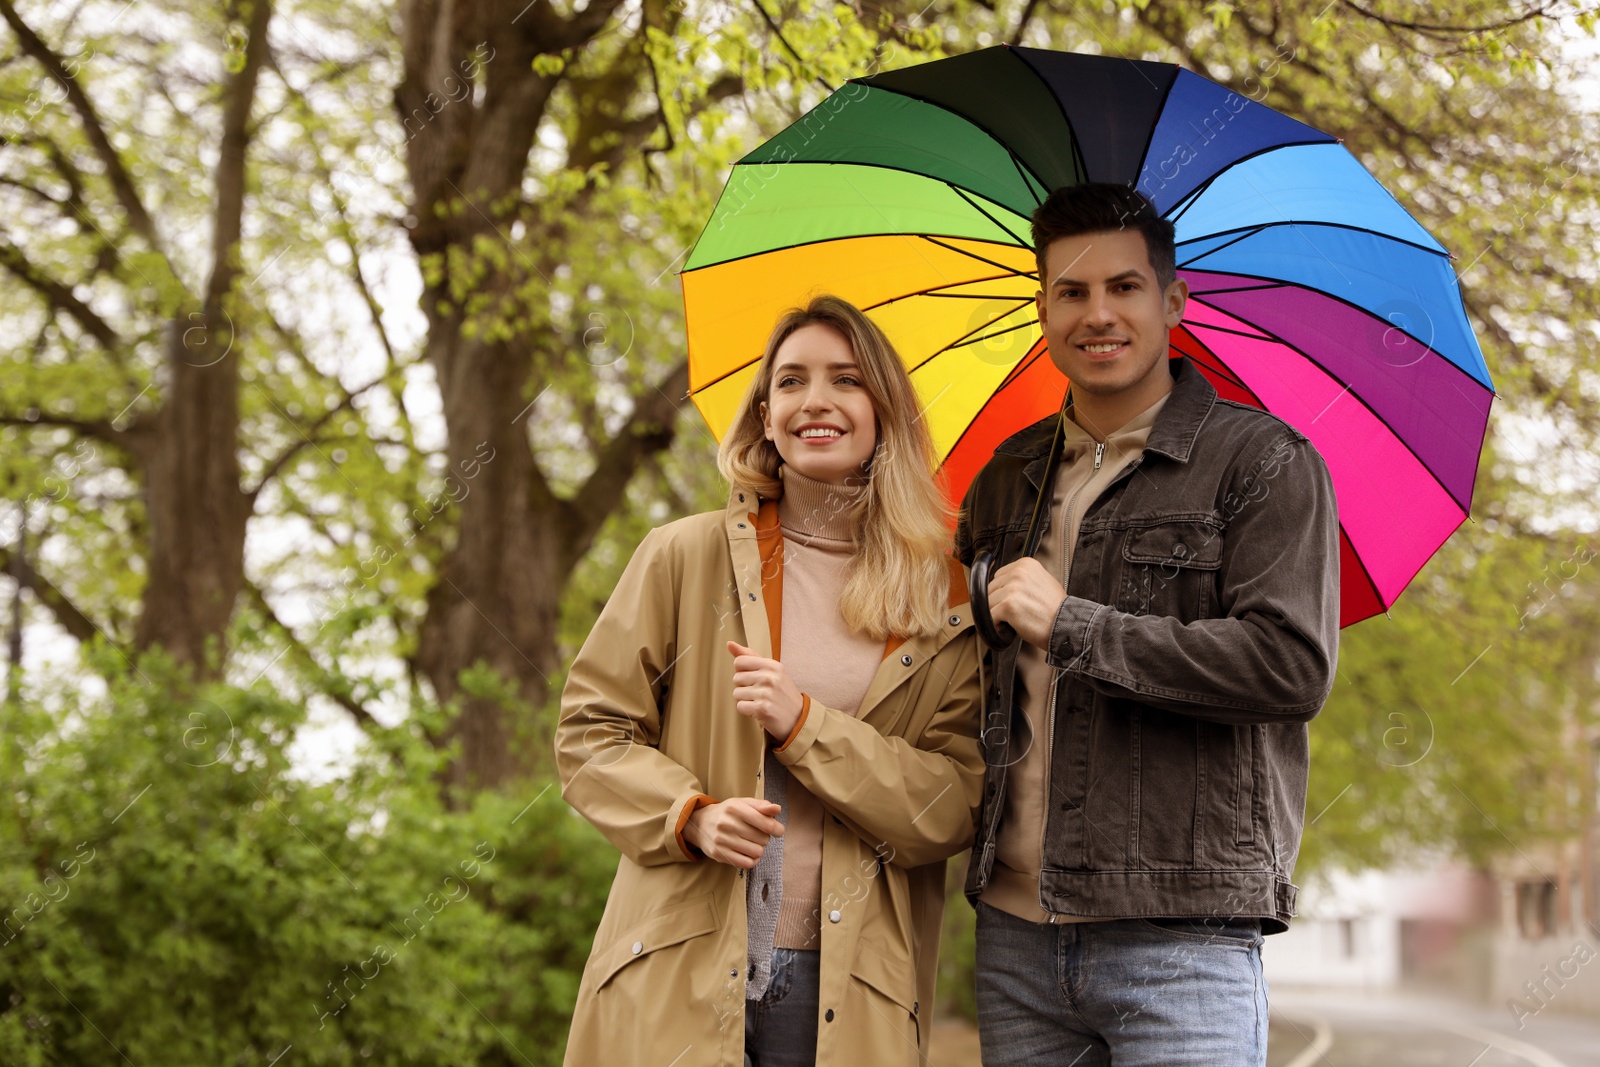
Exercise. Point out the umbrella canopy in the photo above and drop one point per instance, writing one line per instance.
(1313, 294)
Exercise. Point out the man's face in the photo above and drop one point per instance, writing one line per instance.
(1105, 319)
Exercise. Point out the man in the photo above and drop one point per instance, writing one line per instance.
(1145, 739)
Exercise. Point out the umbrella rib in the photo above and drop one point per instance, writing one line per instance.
(1166, 98)
(1210, 251)
(1349, 390)
(934, 293)
(1216, 366)
(1011, 379)
(1233, 288)
(1027, 179)
(1257, 227)
(944, 296)
(964, 118)
(868, 165)
(1200, 189)
(1366, 575)
(966, 338)
(1258, 336)
(1077, 150)
(1188, 201)
(863, 237)
(969, 339)
(932, 239)
(723, 377)
(1280, 283)
(963, 194)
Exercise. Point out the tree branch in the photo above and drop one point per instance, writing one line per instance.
(1022, 23)
(778, 33)
(1440, 31)
(227, 219)
(59, 297)
(65, 612)
(650, 429)
(93, 128)
(327, 683)
(308, 434)
(96, 428)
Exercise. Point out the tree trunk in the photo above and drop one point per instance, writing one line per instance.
(197, 510)
(499, 587)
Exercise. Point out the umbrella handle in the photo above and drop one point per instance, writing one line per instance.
(1004, 635)
(996, 637)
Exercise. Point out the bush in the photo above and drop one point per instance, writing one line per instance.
(171, 892)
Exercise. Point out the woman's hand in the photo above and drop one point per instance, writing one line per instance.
(763, 690)
(735, 832)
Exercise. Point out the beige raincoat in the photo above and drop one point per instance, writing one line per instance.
(648, 732)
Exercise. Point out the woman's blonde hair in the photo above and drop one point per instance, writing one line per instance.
(898, 582)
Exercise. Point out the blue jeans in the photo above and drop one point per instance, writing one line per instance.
(1129, 992)
(780, 1029)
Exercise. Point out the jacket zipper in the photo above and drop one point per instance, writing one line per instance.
(1055, 681)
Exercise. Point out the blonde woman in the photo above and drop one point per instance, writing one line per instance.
(774, 719)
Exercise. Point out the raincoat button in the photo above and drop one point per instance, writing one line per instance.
(741, 526)
(834, 916)
(916, 1006)
(734, 973)
(829, 1016)
(741, 498)
(638, 947)
(906, 660)
(752, 596)
(955, 620)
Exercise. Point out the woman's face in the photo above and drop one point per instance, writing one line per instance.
(817, 409)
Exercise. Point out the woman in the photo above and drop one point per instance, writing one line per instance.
(775, 720)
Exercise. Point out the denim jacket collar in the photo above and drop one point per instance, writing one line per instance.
(1177, 424)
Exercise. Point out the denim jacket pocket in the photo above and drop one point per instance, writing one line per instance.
(1170, 568)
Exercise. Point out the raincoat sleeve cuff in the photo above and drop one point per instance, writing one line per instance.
(805, 733)
(687, 851)
(1072, 636)
(799, 724)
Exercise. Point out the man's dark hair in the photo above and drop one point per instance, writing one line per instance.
(1099, 207)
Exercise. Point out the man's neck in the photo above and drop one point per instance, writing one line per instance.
(1101, 416)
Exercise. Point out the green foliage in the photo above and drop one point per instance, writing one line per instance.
(958, 949)
(1463, 721)
(172, 888)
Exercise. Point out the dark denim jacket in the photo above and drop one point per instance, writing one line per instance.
(1199, 636)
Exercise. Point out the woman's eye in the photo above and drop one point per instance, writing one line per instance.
(849, 379)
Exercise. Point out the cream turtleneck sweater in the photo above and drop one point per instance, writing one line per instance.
(827, 661)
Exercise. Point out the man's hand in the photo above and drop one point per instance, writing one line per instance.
(763, 690)
(735, 832)
(1024, 594)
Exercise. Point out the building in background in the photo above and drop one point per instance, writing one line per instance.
(1381, 929)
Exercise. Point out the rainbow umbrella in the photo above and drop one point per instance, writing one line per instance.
(1314, 294)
